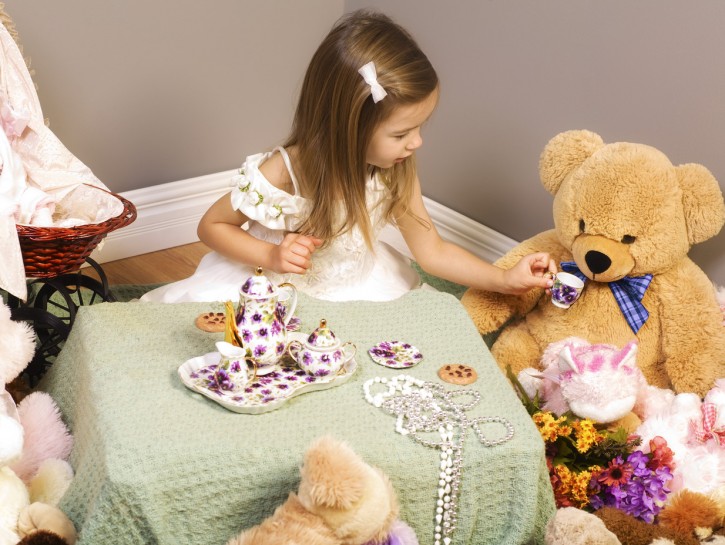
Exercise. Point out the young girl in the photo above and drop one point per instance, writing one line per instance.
(316, 205)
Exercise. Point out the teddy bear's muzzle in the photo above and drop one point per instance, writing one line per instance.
(602, 259)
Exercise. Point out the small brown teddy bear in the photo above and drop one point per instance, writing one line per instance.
(624, 219)
(341, 501)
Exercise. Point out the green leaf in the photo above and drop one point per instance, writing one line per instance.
(532, 406)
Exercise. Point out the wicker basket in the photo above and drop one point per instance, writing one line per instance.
(52, 251)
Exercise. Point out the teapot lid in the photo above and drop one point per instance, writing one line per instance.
(257, 285)
(322, 337)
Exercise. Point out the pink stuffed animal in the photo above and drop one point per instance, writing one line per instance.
(596, 381)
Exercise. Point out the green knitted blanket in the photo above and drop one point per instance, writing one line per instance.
(158, 463)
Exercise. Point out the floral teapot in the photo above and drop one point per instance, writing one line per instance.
(262, 319)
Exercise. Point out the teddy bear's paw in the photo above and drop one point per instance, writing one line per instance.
(40, 517)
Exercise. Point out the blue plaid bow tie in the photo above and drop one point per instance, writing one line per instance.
(628, 292)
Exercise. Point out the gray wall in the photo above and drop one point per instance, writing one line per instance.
(516, 72)
(147, 92)
(153, 91)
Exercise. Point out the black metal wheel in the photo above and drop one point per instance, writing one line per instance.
(63, 295)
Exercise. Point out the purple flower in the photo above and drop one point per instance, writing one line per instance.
(276, 327)
(246, 335)
(219, 380)
(381, 352)
(259, 350)
(642, 495)
(256, 317)
(280, 348)
(566, 294)
(294, 323)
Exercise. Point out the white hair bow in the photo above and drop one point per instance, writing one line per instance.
(371, 78)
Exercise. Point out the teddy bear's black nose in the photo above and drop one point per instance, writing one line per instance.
(597, 261)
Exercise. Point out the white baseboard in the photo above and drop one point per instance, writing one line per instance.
(167, 216)
(169, 213)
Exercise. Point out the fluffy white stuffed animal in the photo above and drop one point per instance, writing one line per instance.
(34, 445)
(695, 431)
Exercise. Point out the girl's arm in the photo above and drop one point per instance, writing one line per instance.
(220, 229)
(451, 262)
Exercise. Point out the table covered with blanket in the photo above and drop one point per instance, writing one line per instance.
(158, 463)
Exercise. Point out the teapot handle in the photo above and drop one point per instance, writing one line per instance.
(292, 304)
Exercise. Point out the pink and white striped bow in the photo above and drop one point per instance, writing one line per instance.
(706, 430)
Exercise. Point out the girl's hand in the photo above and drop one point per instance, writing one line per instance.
(293, 253)
(532, 271)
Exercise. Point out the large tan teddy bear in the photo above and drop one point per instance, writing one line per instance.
(622, 212)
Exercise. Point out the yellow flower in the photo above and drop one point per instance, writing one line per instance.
(548, 425)
(586, 435)
(579, 488)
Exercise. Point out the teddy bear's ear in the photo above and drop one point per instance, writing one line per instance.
(565, 152)
(702, 200)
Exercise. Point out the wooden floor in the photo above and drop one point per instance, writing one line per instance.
(155, 267)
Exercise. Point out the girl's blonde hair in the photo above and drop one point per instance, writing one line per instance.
(336, 117)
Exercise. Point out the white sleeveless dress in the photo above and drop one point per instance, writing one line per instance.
(344, 270)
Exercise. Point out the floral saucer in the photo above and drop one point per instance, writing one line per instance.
(395, 354)
(265, 393)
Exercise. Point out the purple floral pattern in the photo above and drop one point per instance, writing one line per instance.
(260, 320)
(395, 354)
(265, 393)
(320, 363)
(563, 295)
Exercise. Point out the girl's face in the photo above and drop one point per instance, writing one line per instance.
(398, 136)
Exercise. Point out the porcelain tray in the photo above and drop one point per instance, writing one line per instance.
(265, 393)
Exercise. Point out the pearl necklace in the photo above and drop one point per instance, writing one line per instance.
(425, 407)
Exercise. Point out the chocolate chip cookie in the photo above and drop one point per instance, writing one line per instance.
(457, 373)
(213, 322)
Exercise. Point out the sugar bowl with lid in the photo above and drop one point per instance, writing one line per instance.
(322, 353)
